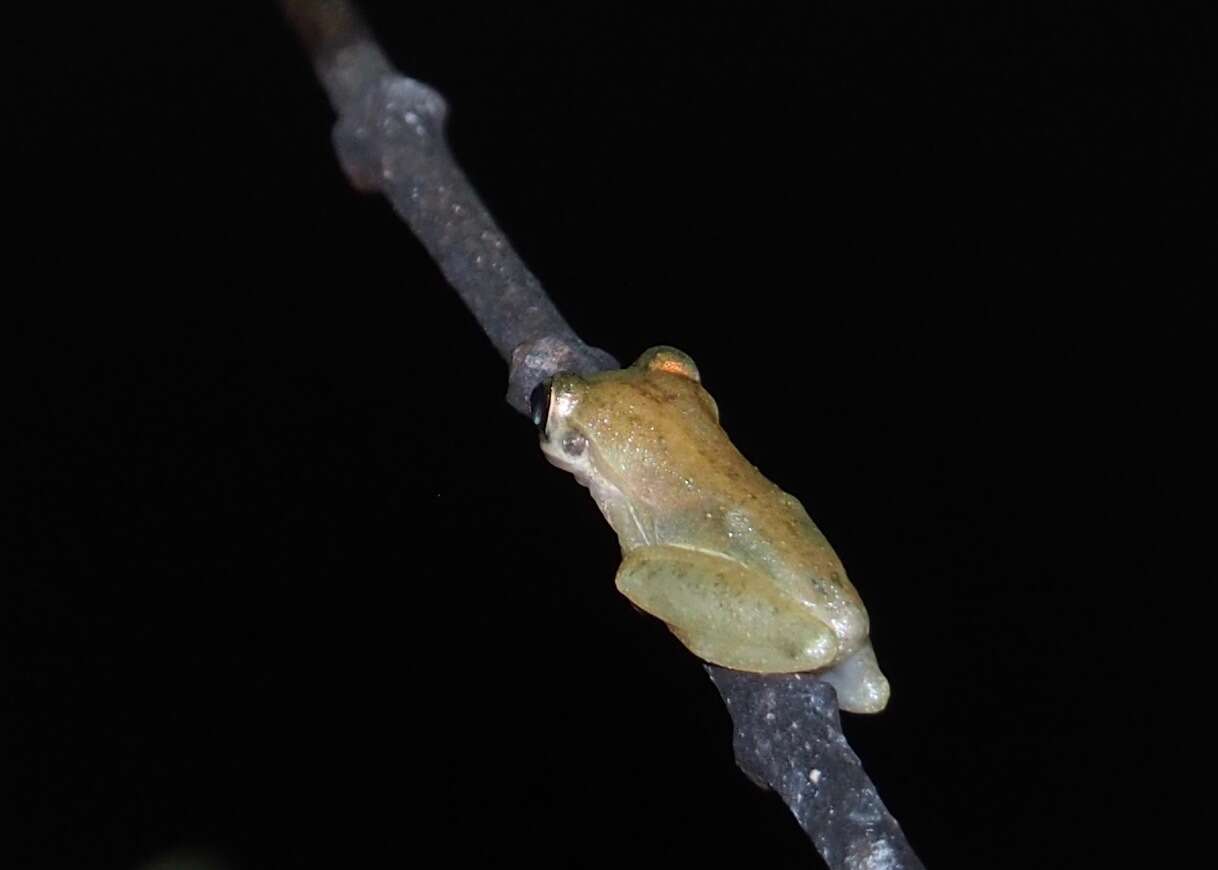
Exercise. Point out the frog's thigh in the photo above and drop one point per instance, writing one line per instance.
(724, 612)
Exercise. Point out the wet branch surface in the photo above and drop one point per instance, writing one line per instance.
(389, 138)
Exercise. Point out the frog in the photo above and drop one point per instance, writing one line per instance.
(731, 563)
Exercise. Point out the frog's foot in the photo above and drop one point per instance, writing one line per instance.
(861, 687)
(725, 612)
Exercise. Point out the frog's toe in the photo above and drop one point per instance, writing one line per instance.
(861, 686)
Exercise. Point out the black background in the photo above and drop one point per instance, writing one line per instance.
(292, 583)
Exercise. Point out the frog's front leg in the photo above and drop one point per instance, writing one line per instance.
(725, 612)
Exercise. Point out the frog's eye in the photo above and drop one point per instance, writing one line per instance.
(539, 403)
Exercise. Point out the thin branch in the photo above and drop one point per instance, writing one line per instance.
(390, 138)
(788, 736)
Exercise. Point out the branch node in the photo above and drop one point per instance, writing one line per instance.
(389, 132)
(534, 361)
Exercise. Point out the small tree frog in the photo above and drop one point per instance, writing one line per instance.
(734, 565)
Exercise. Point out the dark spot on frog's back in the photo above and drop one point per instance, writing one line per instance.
(657, 390)
(791, 651)
(676, 569)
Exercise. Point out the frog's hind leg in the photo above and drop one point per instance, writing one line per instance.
(725, 612)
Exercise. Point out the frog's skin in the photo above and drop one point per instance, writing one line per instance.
(729, 561)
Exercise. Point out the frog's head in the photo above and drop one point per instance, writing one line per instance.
(616, 428)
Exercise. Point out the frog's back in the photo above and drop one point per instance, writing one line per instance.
(701, 491)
